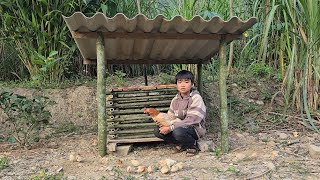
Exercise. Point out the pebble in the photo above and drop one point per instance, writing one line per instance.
(164, 169)
(283, 136)
(135, 163)
(271, 166)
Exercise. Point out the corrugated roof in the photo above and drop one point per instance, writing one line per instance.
(153, 41)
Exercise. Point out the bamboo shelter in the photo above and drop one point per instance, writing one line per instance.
(120, 40)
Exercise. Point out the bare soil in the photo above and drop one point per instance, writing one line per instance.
(258, 156)
(262, 146)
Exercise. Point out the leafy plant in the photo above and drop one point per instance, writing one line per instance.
(44, 175)
(117, 78)
(25, 117)
(259, 69)
(4, 163)
(166, 78)
(45, 64)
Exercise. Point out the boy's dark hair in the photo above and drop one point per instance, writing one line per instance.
(184, 74)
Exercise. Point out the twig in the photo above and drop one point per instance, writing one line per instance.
(253, 177)
(293, 142)
(236, 149)
(279, 114)
(297, 155)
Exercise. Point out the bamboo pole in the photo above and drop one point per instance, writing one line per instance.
(200, 82)
(223, 97)
(131, 131)
(136, 136)
(139, 88)
(139, 104)
(133, 125)
(121, 118)
(112, 111)
(145, 98)
(101, 93)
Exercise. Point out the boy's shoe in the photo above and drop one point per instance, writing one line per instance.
(191, 152)
(179, 149)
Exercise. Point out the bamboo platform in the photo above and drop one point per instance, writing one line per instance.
(126, 122)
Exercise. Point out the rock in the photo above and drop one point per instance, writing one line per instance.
(164, 169)
(72, 157)
(239, 157)
(71, 177)
(180, 165)
(130, 169)
(206, 146)
(150, 169)
(140, 169)
(135, 163)
(60, 169)
(295, 134)
(274, 154)
(260, 102)
(109, 168)
(162, 163)
(174, 168)
(79, 158)
(283, 136)
(111, 147)
(170, 162)
(123, 150)
(314, 151)
(271, 166)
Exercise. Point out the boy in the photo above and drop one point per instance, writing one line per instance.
(188, 110)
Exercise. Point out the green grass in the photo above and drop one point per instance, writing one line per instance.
(88, 81)
(4, 162)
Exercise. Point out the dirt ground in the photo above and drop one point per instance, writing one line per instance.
(270, 155)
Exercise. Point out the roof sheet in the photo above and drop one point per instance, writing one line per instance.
(140, 40)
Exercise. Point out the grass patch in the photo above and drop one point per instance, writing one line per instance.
(44, 175)
(4, 162)
(83, 80)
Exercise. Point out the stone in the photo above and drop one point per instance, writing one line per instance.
(150, 169)
(112, 147)
(204, 145)
(174, 168)
(314, 151)
(283, 136)
(71, 177)
(239, 157)
(72, 157)
(130, 169)
(123, 150)
(141, 169)
(170, 162)
(165, 169)
(79, 158)
(60, 169)
(260, 102)
(135, 162)
(271, 166)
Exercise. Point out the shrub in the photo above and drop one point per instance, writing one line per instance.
(25, 117)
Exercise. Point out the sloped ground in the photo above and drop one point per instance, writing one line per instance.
(270, 155)
(264, 143)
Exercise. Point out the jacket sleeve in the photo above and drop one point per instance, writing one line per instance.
(195, 113)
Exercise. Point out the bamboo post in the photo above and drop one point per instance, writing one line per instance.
(223, 97)
(101, 96)
(200, 83)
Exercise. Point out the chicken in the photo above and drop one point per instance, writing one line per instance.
(163, 119)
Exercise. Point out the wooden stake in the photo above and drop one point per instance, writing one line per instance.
(101, 96)
(200, 82)
(223, 97)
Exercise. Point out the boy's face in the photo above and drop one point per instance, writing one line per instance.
(184, 86)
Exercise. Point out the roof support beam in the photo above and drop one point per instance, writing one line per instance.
(223, 97)
(156, 35)
(101, 96)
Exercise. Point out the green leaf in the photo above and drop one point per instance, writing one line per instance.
(52, 53)
(11, 140)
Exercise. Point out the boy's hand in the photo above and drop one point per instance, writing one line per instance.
(165, 130)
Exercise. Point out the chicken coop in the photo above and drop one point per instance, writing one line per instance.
(119, 40)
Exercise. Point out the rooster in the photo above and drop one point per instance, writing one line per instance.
(162, 119)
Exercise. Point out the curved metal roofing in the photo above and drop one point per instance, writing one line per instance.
(140, 40)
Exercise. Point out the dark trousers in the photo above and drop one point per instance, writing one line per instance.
(185, 136)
